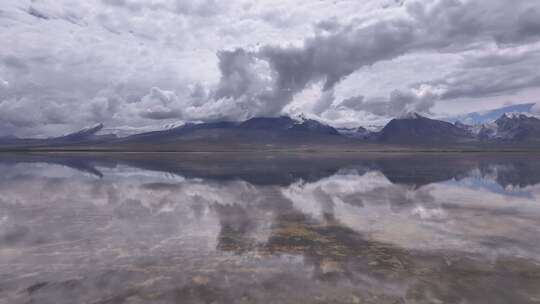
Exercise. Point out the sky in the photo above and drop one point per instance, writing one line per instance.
(142, 64)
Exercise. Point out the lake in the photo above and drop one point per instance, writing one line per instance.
(270, 228)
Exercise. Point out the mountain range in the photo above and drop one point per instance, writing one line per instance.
(269, 133)
(477, 118)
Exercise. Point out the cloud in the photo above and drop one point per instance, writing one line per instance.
(234, 60)
(246, 89)
(201, 8)
(159, 104)
(131, 5)
(14, 63)
(490, 73)
(446, 25)
(239, 74)
(398, 103)
(205, 8)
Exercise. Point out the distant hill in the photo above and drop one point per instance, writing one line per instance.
(84, 136)
(417, 129)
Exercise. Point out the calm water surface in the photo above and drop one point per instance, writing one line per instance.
(204, 228)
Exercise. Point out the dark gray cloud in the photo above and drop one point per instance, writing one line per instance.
(527, 25)
(159, 115)
(490, 74)
(36, 13)
(330, 58)
(398, 103)
(14, 63)
(237, 73)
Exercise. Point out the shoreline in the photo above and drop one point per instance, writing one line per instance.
(256, 151)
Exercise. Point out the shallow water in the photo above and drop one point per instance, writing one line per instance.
(270, 228)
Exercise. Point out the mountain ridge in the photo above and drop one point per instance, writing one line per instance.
(411, 130)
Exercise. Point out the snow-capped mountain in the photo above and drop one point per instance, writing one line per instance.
(83, 133)
(125, 131)
(515, 127)
(478, 118)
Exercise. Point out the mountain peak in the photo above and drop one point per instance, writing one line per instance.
(513, 127)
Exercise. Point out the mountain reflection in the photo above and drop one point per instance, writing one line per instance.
(519, 170)
(270, 228)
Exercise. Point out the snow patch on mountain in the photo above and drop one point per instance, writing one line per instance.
(87, 131)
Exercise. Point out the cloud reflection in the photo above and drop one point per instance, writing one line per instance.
(352, 234)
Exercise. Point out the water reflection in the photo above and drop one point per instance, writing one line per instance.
(203, 228)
